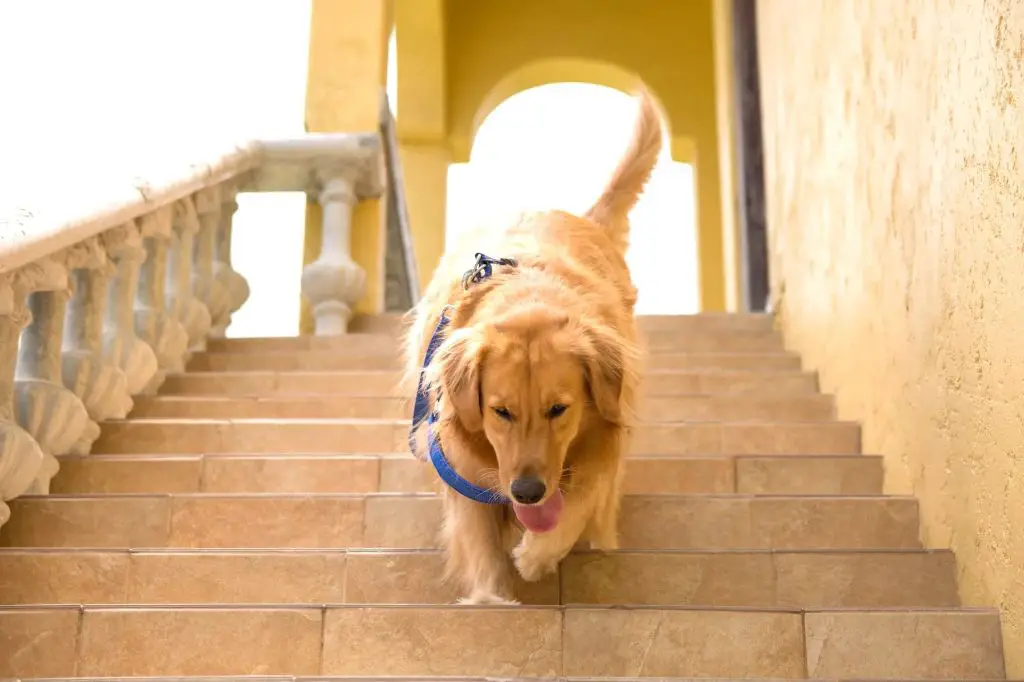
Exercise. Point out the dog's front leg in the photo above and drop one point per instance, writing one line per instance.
(538, 554)
(603, 531)
(476, 550)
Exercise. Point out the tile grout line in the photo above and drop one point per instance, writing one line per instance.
(735, 474)
(79, 630)
(562, 638)
(323, 632)
(201, 484)
(805, 663)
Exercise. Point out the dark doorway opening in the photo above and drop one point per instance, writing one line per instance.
(752, 226)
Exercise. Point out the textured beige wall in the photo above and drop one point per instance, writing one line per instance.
(894, 148)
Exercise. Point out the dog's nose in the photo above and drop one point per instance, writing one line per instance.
(528, 490)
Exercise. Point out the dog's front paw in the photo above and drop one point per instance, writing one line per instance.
(607, 543)
(482, 597)
(532, 562)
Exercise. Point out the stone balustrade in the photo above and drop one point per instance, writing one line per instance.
(98, 308)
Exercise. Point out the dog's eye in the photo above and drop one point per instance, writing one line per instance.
(557, 411)
(504, 414)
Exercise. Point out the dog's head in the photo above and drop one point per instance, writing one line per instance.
(530, 381)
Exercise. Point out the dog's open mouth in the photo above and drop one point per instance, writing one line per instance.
(540, 518)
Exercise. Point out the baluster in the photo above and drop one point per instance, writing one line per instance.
(205, 286)
(333, 283)
(123, 347)
(21, 458)
(181, 302)
(87, 372)
(235, 284)
(52, 414)
(153, 324)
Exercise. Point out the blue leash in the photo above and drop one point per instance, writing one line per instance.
(481, 271)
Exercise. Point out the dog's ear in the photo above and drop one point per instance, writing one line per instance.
(460, 359)
(606, 362)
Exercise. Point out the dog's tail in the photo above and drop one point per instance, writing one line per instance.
(620, 195)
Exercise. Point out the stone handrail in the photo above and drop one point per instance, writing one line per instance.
(100, 306)
(400, 263)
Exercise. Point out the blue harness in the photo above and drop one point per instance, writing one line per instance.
(481, 271)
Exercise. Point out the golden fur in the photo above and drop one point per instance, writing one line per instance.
(557, 329)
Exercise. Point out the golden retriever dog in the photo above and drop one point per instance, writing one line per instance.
(526, 353)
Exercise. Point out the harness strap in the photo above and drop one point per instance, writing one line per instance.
(482, 270)
(419, 412)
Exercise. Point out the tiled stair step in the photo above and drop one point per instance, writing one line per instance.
(411, 521)
(502, 641)
(783, 475)
(390, 327)
(385, 356)
(424, 678)
(385, 383)
(652, 409)
(741, 579)
(355, 436)
(656, 340)
(428, 678)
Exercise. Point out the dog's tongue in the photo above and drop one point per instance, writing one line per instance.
(540, 518)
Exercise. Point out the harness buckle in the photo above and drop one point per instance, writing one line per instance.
(484, 268)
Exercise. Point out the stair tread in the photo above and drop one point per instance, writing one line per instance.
(401, 472)
(755, 578)
(434, 496)
(396, 373)
(383, 356)
(656, 382)
(248, 519)
(323, 551)
(427, 678)
(391, 421)
(693, 408)
(406, 457)
(497, 608)
(188, 435)
(518, 641)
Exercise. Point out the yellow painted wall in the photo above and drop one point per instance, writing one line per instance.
(422, 126)
(425, 173)
(347, 70)
(895, 194)
(667, 44)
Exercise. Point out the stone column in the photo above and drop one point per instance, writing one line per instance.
(122, 345)
(333, 283)
(86, 370)
(181, 301)
(234, 283)
(205, 286)
(21, 458)
(153, 324)
(49, 411)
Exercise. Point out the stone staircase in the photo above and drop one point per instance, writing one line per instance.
(262, 517)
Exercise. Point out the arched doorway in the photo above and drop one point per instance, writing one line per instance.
(553, 146)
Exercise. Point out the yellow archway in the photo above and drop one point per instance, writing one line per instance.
(579, 130)
(567, 70)
(541, 72)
